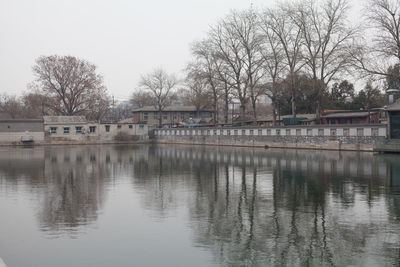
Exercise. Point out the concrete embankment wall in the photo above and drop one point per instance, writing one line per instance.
(332, 137)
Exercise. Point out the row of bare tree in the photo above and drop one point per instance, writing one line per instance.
(251, 53)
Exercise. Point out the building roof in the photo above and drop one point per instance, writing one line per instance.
(270, 118)
(19, 120)
(64, 119)
(170, 108)
(355, 114)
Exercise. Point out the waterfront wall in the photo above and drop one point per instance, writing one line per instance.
(332, 137)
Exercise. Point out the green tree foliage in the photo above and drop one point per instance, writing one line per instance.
(369, 97)
(393, 77)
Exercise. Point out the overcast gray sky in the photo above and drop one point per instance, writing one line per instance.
(123, 38)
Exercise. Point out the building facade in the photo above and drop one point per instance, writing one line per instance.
(77, 128)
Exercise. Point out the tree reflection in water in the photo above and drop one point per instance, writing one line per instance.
(279, 207)
(246, 206)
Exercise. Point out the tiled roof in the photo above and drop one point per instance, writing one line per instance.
(270, 118)
(356, 114)
(64, 119)
(170, 108)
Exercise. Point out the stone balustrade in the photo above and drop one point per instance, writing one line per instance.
(336, 137)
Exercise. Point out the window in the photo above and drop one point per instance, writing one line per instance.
(119, 126)
(333, 132)
(374, 132)
(298, 132)
(53, 130)
(259, 132)
(268, 131)
(321, 132)
(78, 129)
(251, 132)
(278, 132)
(287, 131)
(346, 132)
(309, 132)
(360, 131)
(92, 129)
(107, 128)
(145, 116)
(236, 132)
(66, 130)
(130, 126)
(165, 117)
(243, 132)
(141, 126)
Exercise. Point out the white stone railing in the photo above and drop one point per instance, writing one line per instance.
(304, 131)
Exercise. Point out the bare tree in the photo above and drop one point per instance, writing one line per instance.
(208, 67)
(289, 35)
(11, 107)
(36, 104)
(274, 56)
(327, 41)
(382, 19)
(196, 90)
(160, 84)
(247, 29)
(229, 50)
(141, 98)
(71, 84)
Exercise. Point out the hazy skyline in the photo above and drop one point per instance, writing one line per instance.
(124, 39)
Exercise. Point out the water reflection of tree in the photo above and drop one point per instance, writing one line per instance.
(276, 208)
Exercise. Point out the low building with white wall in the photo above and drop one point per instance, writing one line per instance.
(77, 128)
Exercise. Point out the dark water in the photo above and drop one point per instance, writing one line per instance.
(197, 206)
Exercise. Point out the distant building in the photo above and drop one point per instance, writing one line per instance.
(280, 120)
(77, 128)
(352, 117)
(171, 115)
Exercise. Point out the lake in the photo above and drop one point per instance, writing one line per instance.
(165, 205)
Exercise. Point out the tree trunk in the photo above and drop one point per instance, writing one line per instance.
(293, 105)
(226, 109)
(159, 118)
(273, 112)
(253, 102)
(242, 113)
(215, 112)
(318, 111)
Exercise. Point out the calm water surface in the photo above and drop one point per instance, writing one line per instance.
(197, 206)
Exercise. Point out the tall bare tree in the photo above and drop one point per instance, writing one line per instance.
(274, 56)
(246, 25)
(209, 67)
(237, 43)
(160, 84)
(327, 41)
(72, 85)
(289, 34)
(229, 50)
